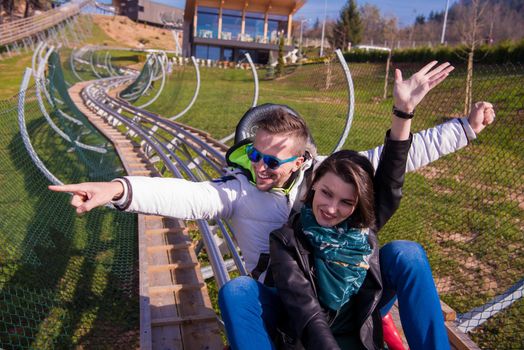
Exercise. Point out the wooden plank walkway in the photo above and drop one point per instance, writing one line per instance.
(11, 32)
(176, 311)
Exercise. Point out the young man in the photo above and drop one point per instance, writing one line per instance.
(259, 193)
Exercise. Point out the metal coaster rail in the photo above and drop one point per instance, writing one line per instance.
(95, 96)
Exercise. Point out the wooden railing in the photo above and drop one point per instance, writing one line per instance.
(17, 30)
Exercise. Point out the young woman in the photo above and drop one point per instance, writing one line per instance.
(325, 262)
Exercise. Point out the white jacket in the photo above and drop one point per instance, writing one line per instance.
(253, 214)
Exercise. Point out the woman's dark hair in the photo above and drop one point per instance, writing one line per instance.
(354, 169)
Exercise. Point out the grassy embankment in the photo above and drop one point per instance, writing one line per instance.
(65, 281)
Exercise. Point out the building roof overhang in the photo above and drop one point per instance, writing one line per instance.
(273, 7)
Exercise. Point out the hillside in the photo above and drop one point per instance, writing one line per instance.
(130, 34)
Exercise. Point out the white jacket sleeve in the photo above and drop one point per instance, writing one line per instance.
(431, 144)
(180, 198)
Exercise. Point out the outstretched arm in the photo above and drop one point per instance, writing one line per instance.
(89, 195)
(431, 144)
(177, 198)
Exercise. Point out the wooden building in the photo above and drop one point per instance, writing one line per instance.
(150, 12)
(226, 29)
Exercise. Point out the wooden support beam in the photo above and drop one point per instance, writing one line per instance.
(168, 267)
(195, 19)
(459, 340)
(174, 288)
(220, 19)
(289, 27)
(243, 25)
(266, 17)
(168, 247)
(166, 321)
(161, 231)
(448, 313)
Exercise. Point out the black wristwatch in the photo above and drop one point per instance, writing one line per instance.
(401, 114)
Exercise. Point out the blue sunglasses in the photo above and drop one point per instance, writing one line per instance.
(271, 162)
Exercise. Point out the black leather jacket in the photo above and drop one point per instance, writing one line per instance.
(307, 323)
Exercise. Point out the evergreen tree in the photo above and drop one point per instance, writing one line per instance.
(420, 19)
(280, 63)
(317, 24)
(348, 28)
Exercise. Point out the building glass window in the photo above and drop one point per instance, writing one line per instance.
(201, 51)
(213, 53)
(254, 30)
(207, 22)
(206, 52)
(227, 55)
(275, 25)
(272, 32)
(231, 25)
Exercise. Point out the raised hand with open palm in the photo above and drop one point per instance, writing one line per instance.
(407, 94)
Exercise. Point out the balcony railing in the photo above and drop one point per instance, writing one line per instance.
(245, 37)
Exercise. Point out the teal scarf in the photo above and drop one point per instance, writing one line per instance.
(339, 256)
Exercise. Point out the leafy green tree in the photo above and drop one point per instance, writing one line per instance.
(348, 28)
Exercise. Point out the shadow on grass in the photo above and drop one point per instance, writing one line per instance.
(80, 286)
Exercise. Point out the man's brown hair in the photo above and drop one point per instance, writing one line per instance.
(281, 121)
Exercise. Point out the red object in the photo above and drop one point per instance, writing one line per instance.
(391, 335)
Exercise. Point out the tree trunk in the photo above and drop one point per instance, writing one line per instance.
(27, 8)
(469, 84)
(328, 73)
(1, 7)
(388, 62)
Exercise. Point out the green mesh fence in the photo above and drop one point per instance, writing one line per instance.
(319, 92)
(141, 84)
(65, 281)
(224, 96)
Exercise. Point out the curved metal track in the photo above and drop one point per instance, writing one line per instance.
(195, 94)
(112, 109)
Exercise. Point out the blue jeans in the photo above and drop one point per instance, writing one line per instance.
(250, 310)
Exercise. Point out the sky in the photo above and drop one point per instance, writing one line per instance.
(404, 10)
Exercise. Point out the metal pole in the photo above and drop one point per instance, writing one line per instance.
(323, 30)
(444, 25)
(301, 31)
(300, 41)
